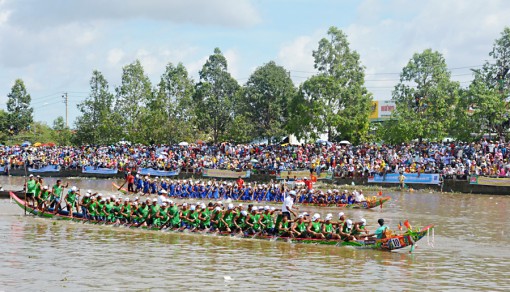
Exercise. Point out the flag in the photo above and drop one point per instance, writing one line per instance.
(400, 226)
(407, 225)
(380, 193)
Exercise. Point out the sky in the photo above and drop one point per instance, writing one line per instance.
(54, 45)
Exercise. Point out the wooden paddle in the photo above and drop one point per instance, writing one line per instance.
(122, 185)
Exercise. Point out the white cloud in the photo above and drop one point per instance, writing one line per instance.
(115, 56)
(37, 14)
(233, 62)
(387, 35)
(296, 56)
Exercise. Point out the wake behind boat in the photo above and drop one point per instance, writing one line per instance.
(391, 242)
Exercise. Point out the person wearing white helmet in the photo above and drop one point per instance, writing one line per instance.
(43, 198)
(328, 228)
(126, 211)
(183, 215)
(174, 216)
(359, 229)
(227, 220)
(216, 216)
(153, 218)
(253, 222)
(345, 230)
(284, 227)
(240, 222)
(204, 217)
(287, 207)
(141, 214)
(315, 227)
(162, 196)
(299, 227)
(162, 216)
(192, 218)
(267, 222)
(71, 200)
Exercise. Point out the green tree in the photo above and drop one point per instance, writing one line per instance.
(174, 96)
(215, 96)
(425, 98)
(18, 107)
(266, 98)
(334, 101)
(4, 126)
(490, 90)
(61, 134)
(132, 97)
(98, 123)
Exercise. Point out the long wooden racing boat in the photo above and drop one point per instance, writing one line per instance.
(394, 242)
(368, 204)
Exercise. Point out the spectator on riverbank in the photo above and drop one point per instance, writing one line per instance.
(451, 160)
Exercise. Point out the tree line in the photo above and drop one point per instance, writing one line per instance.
(334, 101)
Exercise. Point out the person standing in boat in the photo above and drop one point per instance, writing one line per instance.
(401, 179)
(71, 200)
(30, 188)
(130, 179)
(288, 202)
(56, 194)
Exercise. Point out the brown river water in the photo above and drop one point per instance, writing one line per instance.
(470, 251)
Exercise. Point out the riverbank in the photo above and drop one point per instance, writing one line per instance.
(449, 185)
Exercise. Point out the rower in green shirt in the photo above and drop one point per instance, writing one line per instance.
(126, 211)
(184, 217)
(193, 218)
(328, 229)
(298, 229)
(205, 218)
(116, 212)
(38, 188)
(227, 220)
(92, 209)
(163, 214)
(267, 221)
(70, 200)
(42, 199)
(173, 212)
(142, 214)
(240, 222)
(85, 205)
(284, 227)
(315, 227)
(108, 210)
(216, 216)
(253, 222)
(30, 187)
(100, 208)
(153, 212)
(56, 195)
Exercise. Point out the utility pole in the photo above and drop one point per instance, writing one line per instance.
(64, 96)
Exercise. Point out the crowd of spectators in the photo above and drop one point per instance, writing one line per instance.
(452, 160)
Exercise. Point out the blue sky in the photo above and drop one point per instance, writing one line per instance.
(54, 45)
